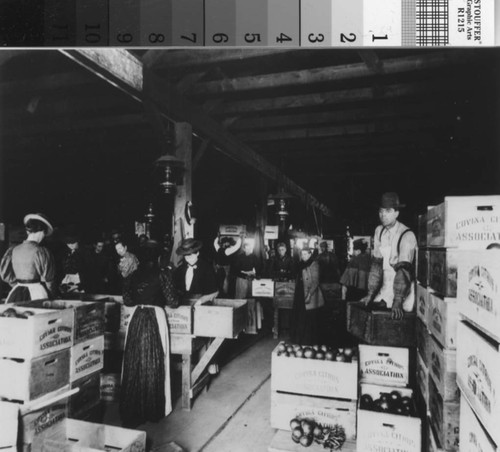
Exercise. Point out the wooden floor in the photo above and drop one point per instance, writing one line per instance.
(233, 415)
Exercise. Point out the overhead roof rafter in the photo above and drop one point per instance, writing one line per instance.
(126, 72)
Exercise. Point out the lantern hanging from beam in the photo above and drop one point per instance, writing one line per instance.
(173, 170)
(282, 200)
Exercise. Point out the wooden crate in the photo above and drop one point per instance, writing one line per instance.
(423, 379)
(263, 288)
(478, 294)
(473, 437)
(325, 411)
(283, 302)
(422, 299)
(232, 229)
(478, 369)
(442, 320)
(31, 379)
(181, 319)
(331, 291)
(423, 267)
(220, 318)
(114, 341)
(467, 222)
(43, 422)
(443, 271)
(125, 317)
(284, 289)
(9, 420)
(445, 419)
(47, 331)
(314, 377)
(282, 442)
(385, 431)
(384, 365)
(88, 317)
(86, 358)
(422, 230)
(109, 387)
(112, 310)
(88, 396)
(378, 328)
(443, 370)
(95, 437)
(185, 344)
(423, 341)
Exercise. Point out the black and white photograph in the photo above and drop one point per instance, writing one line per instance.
(249, 249)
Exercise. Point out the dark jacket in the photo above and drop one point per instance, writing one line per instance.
(204, 280)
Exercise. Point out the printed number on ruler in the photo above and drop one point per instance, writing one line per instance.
(93, 34)
(124, 38)
(219, 38)
(283, 38)
(155, 38)
(252, 38)
(192, 37)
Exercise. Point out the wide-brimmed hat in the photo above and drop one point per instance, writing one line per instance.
(40, 217)
(390, 200)
(188, 246)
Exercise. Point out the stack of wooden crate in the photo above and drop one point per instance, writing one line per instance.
(322, 391)
(34, 372)
(454, 226)
(86, 352)
(478, 348)
(382, 371)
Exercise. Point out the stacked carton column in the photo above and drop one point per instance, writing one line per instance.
(453, 227)
(478, 348)
(317, 390)
(387, 414)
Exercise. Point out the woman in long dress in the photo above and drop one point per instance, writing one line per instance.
(145, 390)
(29, 267)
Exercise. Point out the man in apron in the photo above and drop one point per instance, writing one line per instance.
(391, 278)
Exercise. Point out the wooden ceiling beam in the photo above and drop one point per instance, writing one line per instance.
(403, 111)
(125, 71)
(335, 97)
(341, 130)
(372, 61)
(330, 74)
(175, 59)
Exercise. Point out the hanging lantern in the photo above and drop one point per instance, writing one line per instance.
(282, 201)
(173, 169)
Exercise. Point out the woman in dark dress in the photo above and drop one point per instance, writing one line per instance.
(145, 390)
(308, 300)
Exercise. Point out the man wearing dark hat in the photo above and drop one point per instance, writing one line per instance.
(29, 267)
(194, 277)
(73, 264)
(391, 278)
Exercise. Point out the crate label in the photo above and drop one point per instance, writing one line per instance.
(384, 365)
(88, 360)
(482, 288)
(479, 382)
(49, 417)
(422, 303)
(473, 438)
(445, 418)
(179, 320)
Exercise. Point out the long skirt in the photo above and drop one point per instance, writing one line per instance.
(145, 389)
(305, 322)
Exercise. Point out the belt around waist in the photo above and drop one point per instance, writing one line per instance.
(28, 281)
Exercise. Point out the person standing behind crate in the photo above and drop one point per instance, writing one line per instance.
(29, 267)
(225, 248)
(145, 387)
(391, 278)
(246, 268)
(354, 280)
(194, 277)
(282, 267)
(308, 299)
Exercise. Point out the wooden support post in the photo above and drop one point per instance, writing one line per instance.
(183, 146)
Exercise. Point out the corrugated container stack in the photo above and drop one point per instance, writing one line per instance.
(478, 332)
(387, 413)
(454, 226)
(319, 390)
